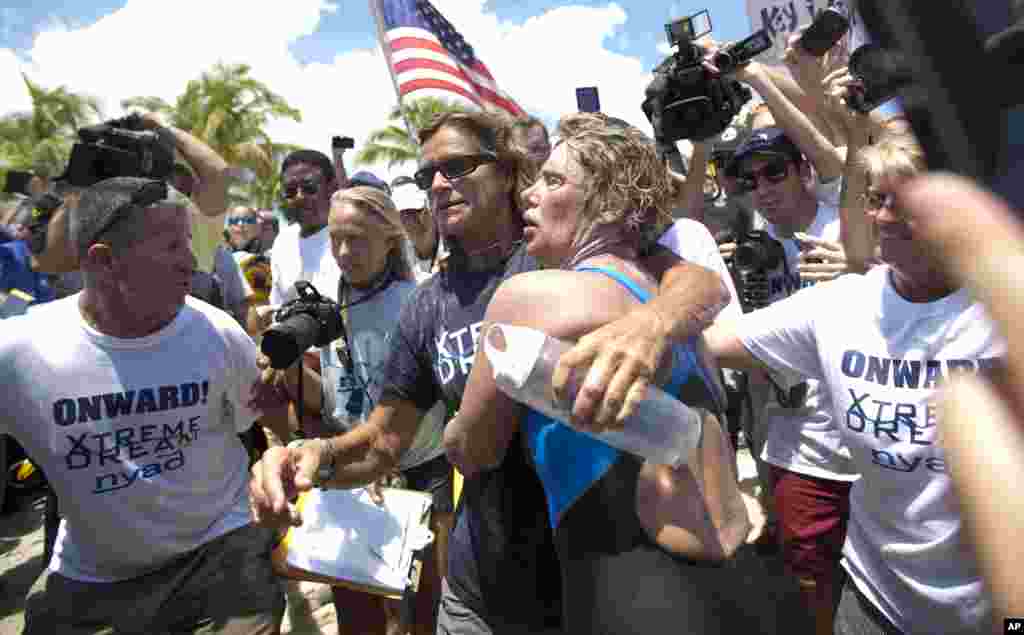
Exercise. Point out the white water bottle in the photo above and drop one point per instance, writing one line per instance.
(662, 429)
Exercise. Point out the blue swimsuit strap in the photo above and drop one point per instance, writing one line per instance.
(641, 294)
(678, 373)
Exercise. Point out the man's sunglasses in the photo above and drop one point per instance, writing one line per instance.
(243, 220)
(309, 186)
(775, 172)
(453, 168)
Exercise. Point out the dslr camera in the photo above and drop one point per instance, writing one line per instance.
(687, 101)
(308, 320)
(757, 255)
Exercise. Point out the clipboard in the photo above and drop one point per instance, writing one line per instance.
(347, 540)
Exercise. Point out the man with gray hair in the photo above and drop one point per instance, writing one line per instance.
(130, 396)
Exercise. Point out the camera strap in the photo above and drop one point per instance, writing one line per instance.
(382, 282)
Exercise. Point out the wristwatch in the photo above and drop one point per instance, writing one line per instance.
(327, 470)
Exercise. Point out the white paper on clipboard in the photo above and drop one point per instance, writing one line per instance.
(346, 536)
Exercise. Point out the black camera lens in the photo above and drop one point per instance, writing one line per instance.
(283, 343)
(758, 251)
(724, 62)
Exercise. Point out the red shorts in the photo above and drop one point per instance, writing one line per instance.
(812, 514)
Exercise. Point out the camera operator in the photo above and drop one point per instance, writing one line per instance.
(370, 248)
(791, 428)
(822, 155)
(133, 404)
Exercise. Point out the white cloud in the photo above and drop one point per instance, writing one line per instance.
(145, 48)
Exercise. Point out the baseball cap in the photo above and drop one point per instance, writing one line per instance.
(408, 196)
(766, 141)
(368, 179)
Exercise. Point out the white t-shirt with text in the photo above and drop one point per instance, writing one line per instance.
(814, 447)
(138, 437)
(881, 359)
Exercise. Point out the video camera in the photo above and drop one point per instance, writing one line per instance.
(685, 100)
(309, 320)
(120, 147)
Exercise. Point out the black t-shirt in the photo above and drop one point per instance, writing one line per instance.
(501, 557)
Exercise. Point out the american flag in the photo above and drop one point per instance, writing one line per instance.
(427, 54)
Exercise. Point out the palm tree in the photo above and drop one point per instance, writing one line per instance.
(40, 141)
(397, 142)
(228, 110)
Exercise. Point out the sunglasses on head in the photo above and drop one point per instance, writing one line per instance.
(774, 172)
(242, 220)
(453, 168)
(309, 186)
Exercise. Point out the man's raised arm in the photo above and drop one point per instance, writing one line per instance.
(211, 192)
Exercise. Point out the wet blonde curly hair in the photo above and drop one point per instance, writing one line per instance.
(625, 181)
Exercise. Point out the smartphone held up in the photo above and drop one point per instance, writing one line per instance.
(825, 32)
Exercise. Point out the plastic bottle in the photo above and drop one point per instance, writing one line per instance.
(662, 429)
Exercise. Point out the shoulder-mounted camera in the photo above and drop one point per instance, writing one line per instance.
(119, 147)
(685, 100)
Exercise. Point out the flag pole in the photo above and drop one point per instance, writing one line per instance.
(375, 9)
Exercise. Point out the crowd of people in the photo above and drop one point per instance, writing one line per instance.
(810, 310)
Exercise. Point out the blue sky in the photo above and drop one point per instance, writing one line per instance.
(352, 26)
(322, 55)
